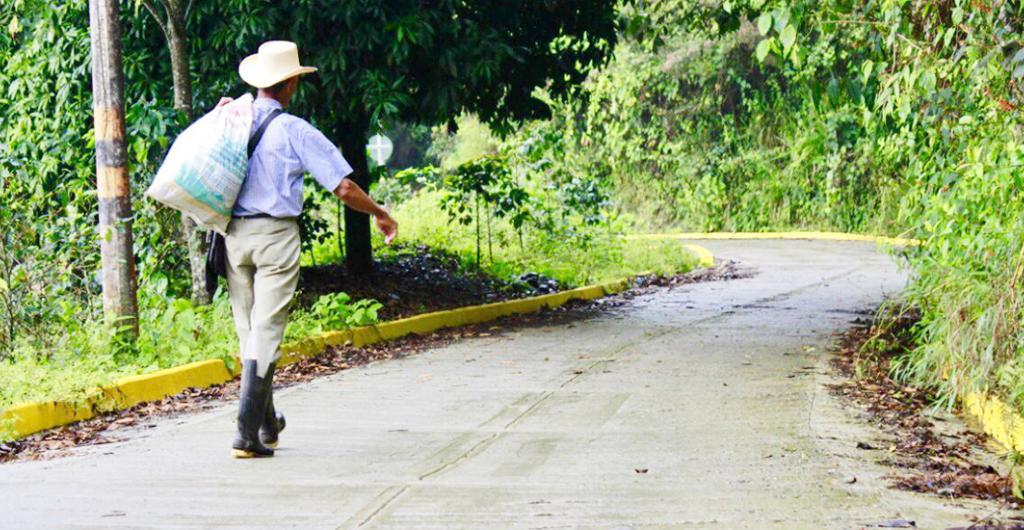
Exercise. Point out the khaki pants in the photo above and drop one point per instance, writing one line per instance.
(263, 271)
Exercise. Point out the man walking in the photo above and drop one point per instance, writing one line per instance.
(262, 240)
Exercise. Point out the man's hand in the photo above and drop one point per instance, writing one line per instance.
(387, 226)
(224, 101)
(354, 197)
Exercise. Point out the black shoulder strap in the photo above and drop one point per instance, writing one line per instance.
(254, 140)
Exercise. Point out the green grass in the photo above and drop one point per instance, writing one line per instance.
(28, 379)
(604, 255)
(82, 354)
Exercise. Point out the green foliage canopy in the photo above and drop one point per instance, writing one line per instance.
(422, 63)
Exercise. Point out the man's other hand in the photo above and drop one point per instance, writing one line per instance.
(387, 226)
(354, 197)
(224, 101)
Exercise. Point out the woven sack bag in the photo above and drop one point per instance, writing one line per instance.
(203, 171)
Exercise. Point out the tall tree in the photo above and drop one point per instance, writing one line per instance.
(172, 16)
(112, 185)
(418, 62)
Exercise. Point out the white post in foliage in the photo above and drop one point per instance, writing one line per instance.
(380, 148)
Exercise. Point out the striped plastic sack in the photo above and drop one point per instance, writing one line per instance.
(206, 166)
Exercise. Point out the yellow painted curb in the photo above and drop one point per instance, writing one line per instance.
(825, 236)
(125, 393)
(996, 419)
(430, 322)
(704, 256)
(31, 418)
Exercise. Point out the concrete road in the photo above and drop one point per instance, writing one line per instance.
(698, 407)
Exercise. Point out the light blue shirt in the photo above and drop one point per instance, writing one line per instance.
(290, 148)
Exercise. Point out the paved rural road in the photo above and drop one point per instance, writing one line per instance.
(698, 407)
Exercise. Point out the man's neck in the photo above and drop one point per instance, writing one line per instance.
(262, 94)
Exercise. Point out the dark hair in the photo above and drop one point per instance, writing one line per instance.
(276, 89)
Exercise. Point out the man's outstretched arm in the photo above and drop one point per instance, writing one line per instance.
(354, 197)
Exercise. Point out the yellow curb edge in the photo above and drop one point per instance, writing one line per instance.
(704, 256)
(996, 419)
(823, 236)
(29, 418)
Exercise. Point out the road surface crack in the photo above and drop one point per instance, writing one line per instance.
(476, 448)
(382, 501)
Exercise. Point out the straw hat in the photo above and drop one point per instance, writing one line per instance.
(275, 61)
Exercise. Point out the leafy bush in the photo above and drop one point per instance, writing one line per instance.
(485, 183)
(333, 312)
(82, 353)
(48, 251)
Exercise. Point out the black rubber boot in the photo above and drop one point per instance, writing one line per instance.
(252, 404)
(273, 421)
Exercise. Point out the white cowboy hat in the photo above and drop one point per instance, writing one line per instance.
(275, 61)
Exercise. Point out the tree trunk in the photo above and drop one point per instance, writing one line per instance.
(477, 231)
(490, 247)
(113, 189)
(181, 75)
(338, 233)
(358, 249)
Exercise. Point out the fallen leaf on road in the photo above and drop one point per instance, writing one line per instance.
(124, 422)
(894, 523)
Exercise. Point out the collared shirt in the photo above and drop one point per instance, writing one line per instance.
(290, 147)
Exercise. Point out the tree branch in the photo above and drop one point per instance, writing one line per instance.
(151, 7)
